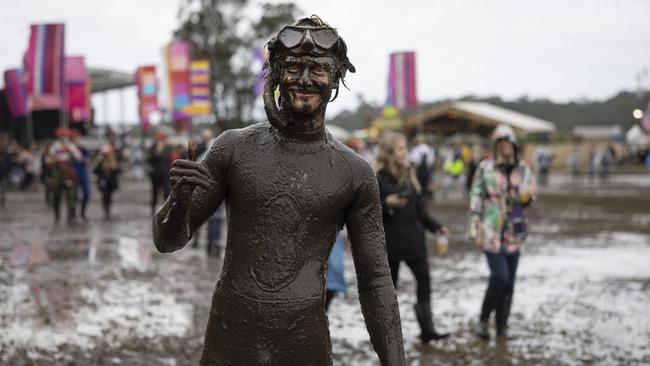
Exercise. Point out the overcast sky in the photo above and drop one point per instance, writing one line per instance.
(556, 49)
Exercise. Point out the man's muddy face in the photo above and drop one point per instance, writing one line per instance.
(306, 83)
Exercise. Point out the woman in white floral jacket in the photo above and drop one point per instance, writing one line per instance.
(503, 186)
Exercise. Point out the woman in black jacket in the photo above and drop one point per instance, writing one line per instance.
(404, 222)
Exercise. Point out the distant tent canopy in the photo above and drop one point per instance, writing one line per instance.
(475, 118)
(104, 80)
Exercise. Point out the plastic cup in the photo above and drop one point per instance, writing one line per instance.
(442, 244)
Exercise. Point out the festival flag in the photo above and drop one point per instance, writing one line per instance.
(260, 56)
(177, 56)
(147, 85)
(77, 84)
(199, 89)
(402, 92)
(15, 93)
(45, 67)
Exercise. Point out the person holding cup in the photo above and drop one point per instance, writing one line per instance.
(503, 186)
(405, 219)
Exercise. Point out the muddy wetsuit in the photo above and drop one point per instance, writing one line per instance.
(286, 196)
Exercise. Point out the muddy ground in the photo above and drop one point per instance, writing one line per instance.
(98, 293)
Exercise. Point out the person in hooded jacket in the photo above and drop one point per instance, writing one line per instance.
(502, 187)
(405, 219)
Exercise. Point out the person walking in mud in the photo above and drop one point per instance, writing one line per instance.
(159, 164)
(5, 165)
(107, 170)
(82, 174)
(405, 218)
(503, 187)
(61, 157)
(289, 187)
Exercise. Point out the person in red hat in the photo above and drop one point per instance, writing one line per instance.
(64, 179)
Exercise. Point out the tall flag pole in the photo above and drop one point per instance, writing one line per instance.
(177, 57)
(402, 91)
(45, 67)
(199, 89)
(77, 81)
(147, 85)
(15, 93)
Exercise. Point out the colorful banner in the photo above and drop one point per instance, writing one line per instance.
(199, 89)
(402, 92)
(78, 89)
(260, 56)
(45, 67)
(147, 85)
(177, 57)
(15, 93)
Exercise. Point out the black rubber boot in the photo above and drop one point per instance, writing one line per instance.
(502, 314)
(490, 302)
(483, 331)
(425, 319)
(84, 203)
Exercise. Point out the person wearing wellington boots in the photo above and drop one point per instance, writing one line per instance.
(502, 187)
(404, 222)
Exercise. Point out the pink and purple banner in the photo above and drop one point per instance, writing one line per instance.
(77, 84)
(177, 55)
(402, 92)
(45, 67)
(145, 80)
(15, 93)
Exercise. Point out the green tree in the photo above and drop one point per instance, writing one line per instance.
(225, 33)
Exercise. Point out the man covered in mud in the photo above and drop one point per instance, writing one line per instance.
(289, 188)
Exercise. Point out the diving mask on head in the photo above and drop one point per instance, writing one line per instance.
(308, 37)
(322, 37)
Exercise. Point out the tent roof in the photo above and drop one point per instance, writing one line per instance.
(489, 115)
(104, 79)
(597, 132)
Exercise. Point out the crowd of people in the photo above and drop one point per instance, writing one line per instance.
(498, 184)
(69, 168)
(65, 168)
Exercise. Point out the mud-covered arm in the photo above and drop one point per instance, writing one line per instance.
(376, 292)
(175, 222)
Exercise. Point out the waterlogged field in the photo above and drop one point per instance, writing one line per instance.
(97, 293)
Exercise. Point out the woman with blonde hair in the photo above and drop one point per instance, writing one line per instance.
(404, 222)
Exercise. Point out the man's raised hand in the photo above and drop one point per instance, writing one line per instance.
(186, 175)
